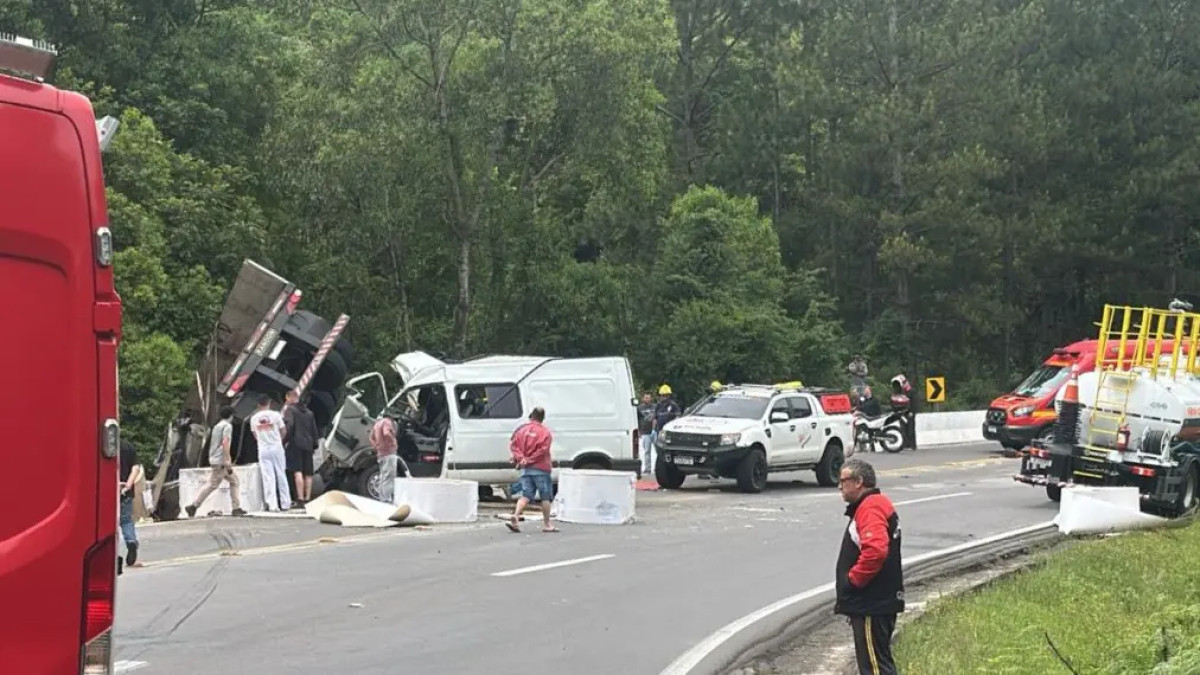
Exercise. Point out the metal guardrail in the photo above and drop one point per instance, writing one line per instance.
(791, 618)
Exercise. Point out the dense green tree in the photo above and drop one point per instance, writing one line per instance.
(717, 189)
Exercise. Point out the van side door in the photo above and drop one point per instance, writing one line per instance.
(484, 415)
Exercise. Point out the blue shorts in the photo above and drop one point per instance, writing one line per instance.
(537, 480)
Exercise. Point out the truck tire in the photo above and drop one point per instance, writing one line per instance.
(323, 406)
(829, 470)
(752, 471)
(1188, 491)
(366, 483)
(667, 475)
(332, 372)
(1054, 492)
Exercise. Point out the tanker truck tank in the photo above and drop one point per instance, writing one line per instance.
(1137, 412)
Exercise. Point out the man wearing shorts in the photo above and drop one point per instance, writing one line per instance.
(299, 445)
(530, 448)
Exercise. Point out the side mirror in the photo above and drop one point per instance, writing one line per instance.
(778, 416)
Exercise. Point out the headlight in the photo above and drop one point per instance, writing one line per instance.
(730, 439)
(1023, 411)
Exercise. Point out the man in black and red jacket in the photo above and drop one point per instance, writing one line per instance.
(870, 581)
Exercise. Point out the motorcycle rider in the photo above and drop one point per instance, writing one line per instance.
(868, 404)
(902, 404)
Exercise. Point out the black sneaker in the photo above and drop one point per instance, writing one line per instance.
(238, 512)
(191, 510)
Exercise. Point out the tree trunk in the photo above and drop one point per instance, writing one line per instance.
(397, 256)
(462, 310)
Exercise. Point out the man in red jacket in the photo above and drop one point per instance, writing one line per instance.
(870, 580)
(530, 448)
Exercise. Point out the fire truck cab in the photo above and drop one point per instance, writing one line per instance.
(58, 354)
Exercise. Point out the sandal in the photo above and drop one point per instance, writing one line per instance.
(512, 525)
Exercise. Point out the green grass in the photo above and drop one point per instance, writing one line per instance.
(1116, 605)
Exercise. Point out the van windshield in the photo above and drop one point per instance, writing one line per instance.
(1043, 381)
(738, 407)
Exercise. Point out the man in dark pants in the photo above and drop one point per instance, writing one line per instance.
(130, 474)
(870, 581)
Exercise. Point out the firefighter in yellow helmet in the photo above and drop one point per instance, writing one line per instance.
(667, 409)
(715, 386)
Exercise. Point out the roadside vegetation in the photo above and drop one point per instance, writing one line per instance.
(1128, 604)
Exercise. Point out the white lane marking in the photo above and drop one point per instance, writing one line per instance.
(932, 499)
(694, 656)
(127, 666)
(550, 566)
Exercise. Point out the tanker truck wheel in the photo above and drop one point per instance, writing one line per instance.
(1188, 491)
(1054, 492)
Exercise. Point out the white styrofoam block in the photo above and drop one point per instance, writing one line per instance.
(1086, 509)
(250, 490)
(444, 500)
(594, 496)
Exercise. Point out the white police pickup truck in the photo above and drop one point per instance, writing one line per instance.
(747, 431)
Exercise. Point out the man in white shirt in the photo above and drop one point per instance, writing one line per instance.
(268, 428)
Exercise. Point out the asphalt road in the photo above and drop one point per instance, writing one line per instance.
(633, 598)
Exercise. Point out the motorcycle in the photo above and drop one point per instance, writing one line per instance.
(886, 430)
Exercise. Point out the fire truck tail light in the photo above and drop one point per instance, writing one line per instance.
(99, 591)
(1143, 471)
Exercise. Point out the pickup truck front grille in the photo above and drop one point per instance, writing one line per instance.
(692, 440)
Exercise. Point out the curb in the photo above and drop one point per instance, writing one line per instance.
(742, 641)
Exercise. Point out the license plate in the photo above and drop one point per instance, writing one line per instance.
(684, 460)
(991, 429)
(1036, 463)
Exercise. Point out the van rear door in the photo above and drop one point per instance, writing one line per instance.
(60, 321)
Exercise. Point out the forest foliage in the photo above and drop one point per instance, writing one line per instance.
(718, 189)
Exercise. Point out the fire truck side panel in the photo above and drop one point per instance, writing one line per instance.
(60, 320)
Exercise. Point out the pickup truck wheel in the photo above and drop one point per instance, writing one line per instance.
(829, 471)
(667, 475)
(1054, 492)
(752, 471)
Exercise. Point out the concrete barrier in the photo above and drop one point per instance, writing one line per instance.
(947, 428)
(250, 491)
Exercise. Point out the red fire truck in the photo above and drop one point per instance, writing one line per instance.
(61, 320)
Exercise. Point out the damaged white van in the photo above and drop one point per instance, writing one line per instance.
(457, 419)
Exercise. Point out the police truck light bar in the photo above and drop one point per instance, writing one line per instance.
(25, 56)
